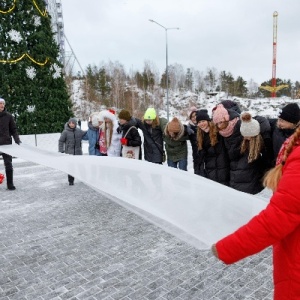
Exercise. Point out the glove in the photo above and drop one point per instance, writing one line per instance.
(124, 141)
(189, 130)
(1, 178)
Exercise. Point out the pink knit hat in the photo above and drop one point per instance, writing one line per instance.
(220, 114)
(192, 110)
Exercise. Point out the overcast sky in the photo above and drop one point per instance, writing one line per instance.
(231, 35)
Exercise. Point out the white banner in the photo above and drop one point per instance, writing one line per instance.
(196, 210)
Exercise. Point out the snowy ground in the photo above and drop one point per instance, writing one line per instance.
(61, 242)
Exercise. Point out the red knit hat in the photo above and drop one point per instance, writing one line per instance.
(220, 114)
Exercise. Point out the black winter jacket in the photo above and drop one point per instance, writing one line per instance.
(244, 176)
(132, 135)
(278, 138)
(214, 161)
(8, 129)
(153, 140)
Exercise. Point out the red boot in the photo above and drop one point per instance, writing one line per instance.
(1, 178)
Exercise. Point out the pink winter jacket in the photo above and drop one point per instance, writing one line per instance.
(277, 225)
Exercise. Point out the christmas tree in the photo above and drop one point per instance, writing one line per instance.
(31, 79)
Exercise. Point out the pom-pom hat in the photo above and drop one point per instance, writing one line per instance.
(249, 126)
(290, 113)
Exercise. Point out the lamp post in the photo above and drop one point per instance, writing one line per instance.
(167, 71)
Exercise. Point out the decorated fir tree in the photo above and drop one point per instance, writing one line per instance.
(31, 79)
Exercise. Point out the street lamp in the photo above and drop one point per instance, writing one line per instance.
(167, 73)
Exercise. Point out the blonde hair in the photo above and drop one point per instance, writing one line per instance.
(213, 135)
(254, 146)
(108, 126)
(155, 122)
(272, 177)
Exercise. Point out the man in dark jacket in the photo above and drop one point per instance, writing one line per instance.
(8, 129)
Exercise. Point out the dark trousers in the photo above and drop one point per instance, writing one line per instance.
(7, 161)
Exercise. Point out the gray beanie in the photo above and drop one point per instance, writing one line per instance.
(249, 127)
(2, 100)
(73, 120)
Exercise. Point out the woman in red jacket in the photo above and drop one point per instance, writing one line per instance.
(277, 225)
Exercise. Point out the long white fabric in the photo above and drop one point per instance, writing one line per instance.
(194, 209)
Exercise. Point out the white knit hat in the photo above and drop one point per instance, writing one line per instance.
(95, 119)
(249, 127)
(2, 100)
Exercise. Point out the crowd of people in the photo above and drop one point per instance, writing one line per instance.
(230, 147)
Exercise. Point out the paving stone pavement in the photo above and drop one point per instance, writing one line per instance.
(70, 242)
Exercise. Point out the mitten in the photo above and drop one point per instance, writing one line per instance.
(124, 141)
(1, 178)
(214, 250)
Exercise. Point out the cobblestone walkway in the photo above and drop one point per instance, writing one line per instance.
(70, 242)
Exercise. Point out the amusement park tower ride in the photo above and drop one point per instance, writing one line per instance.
(273, 88)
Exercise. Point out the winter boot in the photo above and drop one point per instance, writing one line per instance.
(9, 180)
(71, 180)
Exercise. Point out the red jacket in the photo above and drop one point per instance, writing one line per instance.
(277, 225)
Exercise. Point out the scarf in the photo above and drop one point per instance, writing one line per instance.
(229, 129)
(280, 156)
(102, 142)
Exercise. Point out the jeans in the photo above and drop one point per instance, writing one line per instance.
(181, 164)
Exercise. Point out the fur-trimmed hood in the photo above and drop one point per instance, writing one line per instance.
(106, 114)
(175, 125)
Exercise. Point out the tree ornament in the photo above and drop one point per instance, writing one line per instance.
(30, 72)
(37, 21)
(57, 71)
(15, 36)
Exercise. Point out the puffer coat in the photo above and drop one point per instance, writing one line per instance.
(153, 140)
(132, 135)
(213, 160)
(277, 225)
(70, 140)
(278, 137)
(8, 128)
(245, 176)
(177, 147)
(93, 137)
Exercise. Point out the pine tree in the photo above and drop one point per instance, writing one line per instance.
(30, 73)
